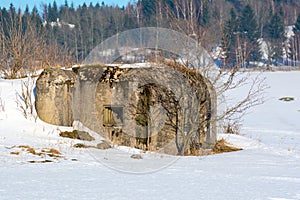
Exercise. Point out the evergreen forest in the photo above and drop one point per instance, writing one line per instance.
(238, 33)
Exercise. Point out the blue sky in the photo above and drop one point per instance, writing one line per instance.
(38, 3)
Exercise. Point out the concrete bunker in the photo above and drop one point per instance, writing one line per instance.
(162, 108)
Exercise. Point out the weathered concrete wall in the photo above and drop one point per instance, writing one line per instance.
(54, 96)
(181, 101)
(123, 92)
(84, 92)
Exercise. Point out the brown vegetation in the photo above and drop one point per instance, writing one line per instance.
(40, 153)
(223, 147)
(75, 134)
(24, 48)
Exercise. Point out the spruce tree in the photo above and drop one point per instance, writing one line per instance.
(229, 38)
(149, 11)
(52, 12)
(248, 30)
(275, 35)
(36, 18)
(276, 27)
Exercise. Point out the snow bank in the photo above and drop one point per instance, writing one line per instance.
(267, 168)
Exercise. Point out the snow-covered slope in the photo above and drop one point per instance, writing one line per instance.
(267, 168)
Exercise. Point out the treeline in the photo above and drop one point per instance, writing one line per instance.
(237, 27)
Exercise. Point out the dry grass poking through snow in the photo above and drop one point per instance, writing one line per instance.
(41, 153)
(223, 147)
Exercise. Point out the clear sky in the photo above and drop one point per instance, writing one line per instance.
(38, 3)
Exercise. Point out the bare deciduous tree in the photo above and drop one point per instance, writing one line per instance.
(186, 20)
(24, 49)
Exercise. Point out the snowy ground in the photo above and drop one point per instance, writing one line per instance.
(267, 168)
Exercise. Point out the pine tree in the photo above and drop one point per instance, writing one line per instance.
(36, 18)
(275, 35)
(276, 27)
(25, 18)
(52, 12)
(229, 38)
(55, 8)
(149, 11)
(248, 30)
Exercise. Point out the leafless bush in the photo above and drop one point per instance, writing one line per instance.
(254, 85)
(223, 80)
(24, 48)
(25, 99)
(232, 128)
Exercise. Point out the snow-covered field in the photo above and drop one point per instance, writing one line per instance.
(267, 168)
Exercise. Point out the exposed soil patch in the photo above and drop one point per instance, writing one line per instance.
(287, 99)
(136, 156)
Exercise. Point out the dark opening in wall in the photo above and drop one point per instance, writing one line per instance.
(112, 116)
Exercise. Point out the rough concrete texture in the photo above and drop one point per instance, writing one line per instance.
(163, 108)
(54, 96)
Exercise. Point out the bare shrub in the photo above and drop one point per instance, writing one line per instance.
(224, 79)
(25, 99)
(253, 86)
(25, 49)
(232, 128)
